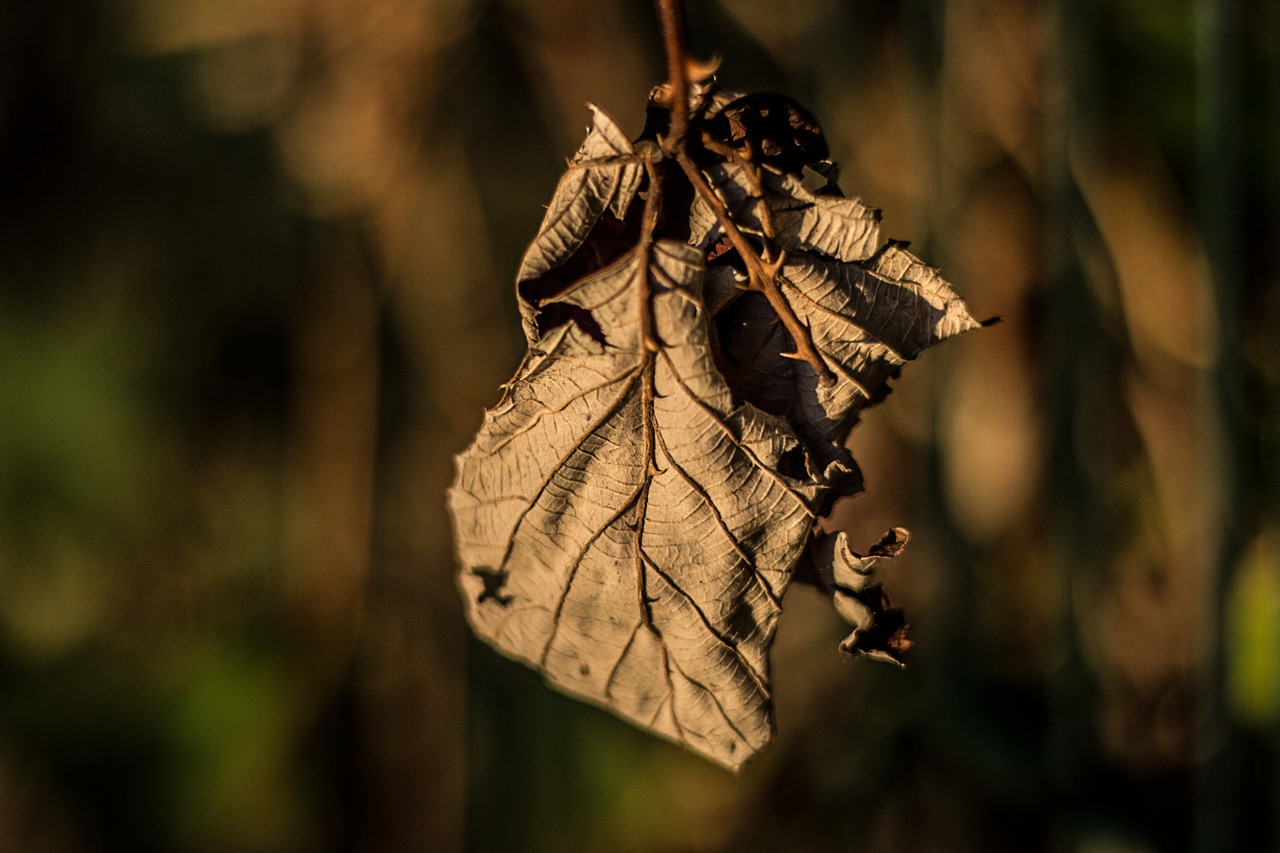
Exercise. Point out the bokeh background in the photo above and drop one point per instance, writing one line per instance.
(256, 263)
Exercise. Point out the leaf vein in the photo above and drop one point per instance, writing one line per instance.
(718, 421)
(711, 629)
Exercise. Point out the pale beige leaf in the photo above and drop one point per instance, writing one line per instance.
(867, 319)
(633, 509)
(635, 547)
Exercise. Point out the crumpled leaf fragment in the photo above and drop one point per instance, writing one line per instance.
(880, 631)
(603, 175)
(867, 318)
(770, 129)
(635, 547)
(841, 228)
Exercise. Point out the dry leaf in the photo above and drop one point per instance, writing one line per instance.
(879, 631)
(603, 177)
(841, 228)
(867, 320)
(633, 510)
(633, 549)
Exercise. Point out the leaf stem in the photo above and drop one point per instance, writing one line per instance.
(648, 392)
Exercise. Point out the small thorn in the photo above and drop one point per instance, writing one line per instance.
(775, 266)
(825, 377)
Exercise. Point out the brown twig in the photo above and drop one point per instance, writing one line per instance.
(671, 12)
(762, 274)
(751, 173)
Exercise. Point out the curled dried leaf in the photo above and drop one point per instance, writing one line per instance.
(867, 319)
(880, 631)
(840, 228)
(603, 178)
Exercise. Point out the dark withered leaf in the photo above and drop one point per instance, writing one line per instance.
(768, 129)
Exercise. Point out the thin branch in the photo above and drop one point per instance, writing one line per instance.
(750, 173)
(671, 13)
(762, 275)
(648, 393)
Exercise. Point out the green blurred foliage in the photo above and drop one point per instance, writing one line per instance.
(255, 291)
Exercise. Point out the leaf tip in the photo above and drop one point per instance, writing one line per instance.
(892, 543)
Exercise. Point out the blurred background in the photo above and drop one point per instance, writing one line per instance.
(256, 264)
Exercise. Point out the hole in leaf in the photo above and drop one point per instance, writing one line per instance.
(822, 179)
(556, 314)
(610, 238)
(792, 464)
(494, 581)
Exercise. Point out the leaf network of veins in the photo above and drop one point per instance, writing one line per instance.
(648, 352)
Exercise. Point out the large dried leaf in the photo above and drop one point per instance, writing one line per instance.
(635, 507)
(628, 529)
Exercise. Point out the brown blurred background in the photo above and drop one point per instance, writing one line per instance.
(256, 262)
